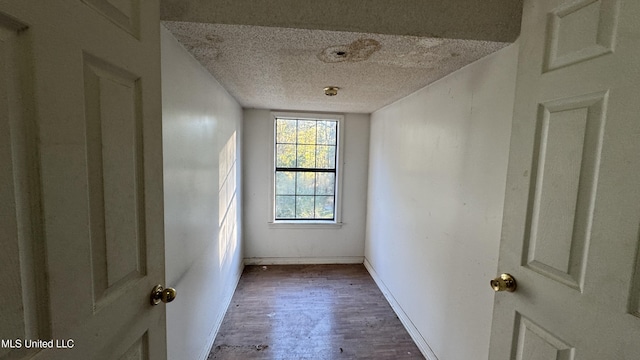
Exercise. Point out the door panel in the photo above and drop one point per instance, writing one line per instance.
(138, 351)
(564, 173)
(116, 177)
(24, 312)
(572, 208)
(535, 343)
(579, 31)
(97, 182)
(124, 13)
(9, 219)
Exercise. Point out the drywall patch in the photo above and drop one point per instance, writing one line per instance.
(358, 50)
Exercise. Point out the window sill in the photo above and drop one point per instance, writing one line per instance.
(301, 224)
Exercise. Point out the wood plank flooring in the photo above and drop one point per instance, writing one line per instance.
(311, 312)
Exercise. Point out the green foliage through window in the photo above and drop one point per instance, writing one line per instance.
(305, 174)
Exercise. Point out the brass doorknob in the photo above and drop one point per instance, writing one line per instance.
(504, 282)
(159, 293)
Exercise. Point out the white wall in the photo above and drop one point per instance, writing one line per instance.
(437, 174)
(201, 133)
(266, 244)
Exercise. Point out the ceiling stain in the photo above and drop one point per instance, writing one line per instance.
(286, 69)
(358, 50)
(204, 47)
(214, 39)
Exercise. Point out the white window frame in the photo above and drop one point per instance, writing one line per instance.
(337, 222)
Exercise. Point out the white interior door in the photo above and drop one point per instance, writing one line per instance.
(81, 205)
(570, 234)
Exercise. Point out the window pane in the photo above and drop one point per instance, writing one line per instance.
(327, 132)
(285, 207)
(286, 131)
(306, 182)
(325, 183)
(306, 132)
(306, 156)
(304, 207)
(286, 156)
(325, 157)
(285, 183)
(305, 144)
(324, 207)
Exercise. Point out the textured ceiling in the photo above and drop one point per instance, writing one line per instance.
(287, 69)
(280, 54)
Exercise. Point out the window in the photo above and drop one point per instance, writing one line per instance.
(306, 171)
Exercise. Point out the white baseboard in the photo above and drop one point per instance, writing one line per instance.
(411, 329)
(216, 325)
(303, 260)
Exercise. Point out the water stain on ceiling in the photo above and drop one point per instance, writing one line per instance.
(358, 50)
(287, 68)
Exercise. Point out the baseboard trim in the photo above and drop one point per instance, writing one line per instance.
(216, 326)
(303, 260)
(425, 349)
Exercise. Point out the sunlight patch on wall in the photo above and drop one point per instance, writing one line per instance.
(227, 201)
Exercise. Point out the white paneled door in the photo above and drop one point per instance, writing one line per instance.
(571, 225)
(81, 203)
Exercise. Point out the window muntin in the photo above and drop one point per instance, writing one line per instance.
(306, 153)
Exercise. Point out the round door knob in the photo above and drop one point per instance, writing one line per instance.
(168, 295)
(504, 282)
(159, 294)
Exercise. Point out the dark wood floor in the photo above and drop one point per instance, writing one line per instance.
(311, 312)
